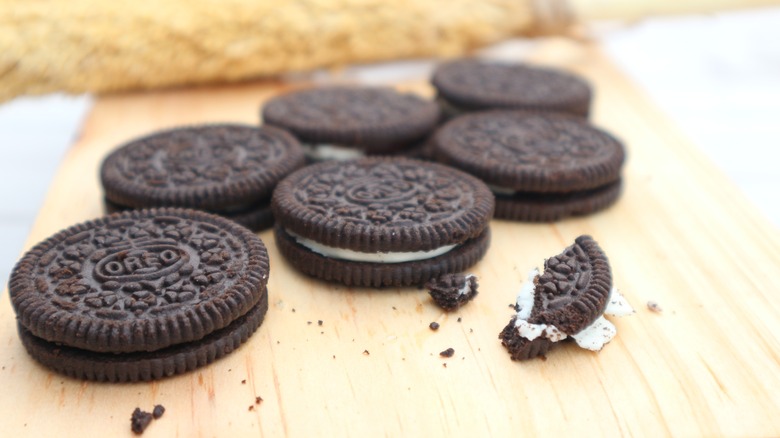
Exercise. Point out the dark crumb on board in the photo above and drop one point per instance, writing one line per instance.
(158, 411)
(448, 352)
(243, 382)
(654, 307)
(394, 308)
(308, 322)
(139, 421)
(319, 322)
(512, 306)
(366, 353)
(460, 319)
(293, 309)
(258, 400)
(251, 407)
(434, 325)
(444, 364)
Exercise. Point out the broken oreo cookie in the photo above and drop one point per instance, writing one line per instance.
(230, 170)
(381, 221)
(568, 300)
(140, 295)
(451, 291)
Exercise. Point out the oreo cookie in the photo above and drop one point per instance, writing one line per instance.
(230, 170)
(342, 122)
(568, 300)
(381, 221)
(140, 295)
(470, 85)
(541, 167)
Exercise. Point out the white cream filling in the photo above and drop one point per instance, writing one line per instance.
(325, 152)
(498, 190)
(467, 286)
(372, 257)
(592, 337)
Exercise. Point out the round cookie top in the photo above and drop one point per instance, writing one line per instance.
(532, 152)
(371, 118)
(208, 167)
(141, 280)
(473, 85)
(382, 204)
(574, 289)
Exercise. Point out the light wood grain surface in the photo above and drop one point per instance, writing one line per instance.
(681, 236)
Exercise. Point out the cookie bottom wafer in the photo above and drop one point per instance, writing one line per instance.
(134, 367)
(548, 207)
(367, 274)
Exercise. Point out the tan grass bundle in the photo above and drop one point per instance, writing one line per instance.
(98, 46)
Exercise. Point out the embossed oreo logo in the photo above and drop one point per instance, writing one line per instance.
(381, 192)
(148, 262)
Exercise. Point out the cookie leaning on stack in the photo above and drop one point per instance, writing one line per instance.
(541, 166)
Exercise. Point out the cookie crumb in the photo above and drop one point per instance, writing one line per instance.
(319, 322)
(434, 325)
(308, 322)
(448, 352)
(460, 319)
(293, 310)
(451, 291)
(258, 400)
(366, 353)
(158, 411)
(139, 421)
(251, 407)
(243, 382)
(444, 364)
(654, 307)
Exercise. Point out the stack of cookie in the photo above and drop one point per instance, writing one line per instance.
(230, 170)
(140, 295)
(523, 130)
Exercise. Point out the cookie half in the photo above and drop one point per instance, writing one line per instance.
(343, 122)
(139, 281)
(471, 85)
(541, 166)
(382, 221)
(224, 169)
(567, 298)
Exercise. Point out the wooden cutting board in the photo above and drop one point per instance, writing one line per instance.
(682, 235)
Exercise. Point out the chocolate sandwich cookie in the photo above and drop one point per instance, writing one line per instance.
(568, 300)
(381, 221)
(541, 167)
(230, 170)
(342, 122)
(471, 85)
(141, 294)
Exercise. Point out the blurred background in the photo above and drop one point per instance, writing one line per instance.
(717, 76)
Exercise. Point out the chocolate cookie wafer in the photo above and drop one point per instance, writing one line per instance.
(230, 170)
(141, 294)
(541, 167)
(381, 221)
(341, 122)
(471, 85)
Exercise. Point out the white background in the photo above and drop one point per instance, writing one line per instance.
(716, 76)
